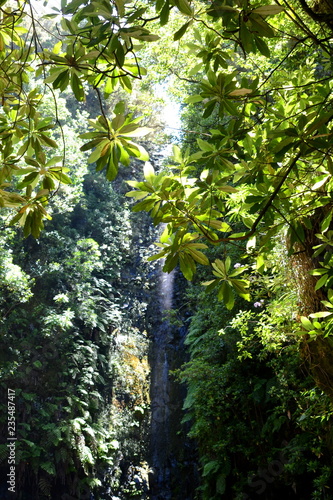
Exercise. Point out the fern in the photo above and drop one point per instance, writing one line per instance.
(45, 486)
(211, 467)
(61, 455)
(49, 468)
(220, 484)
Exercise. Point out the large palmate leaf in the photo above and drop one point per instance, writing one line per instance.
(111, 143)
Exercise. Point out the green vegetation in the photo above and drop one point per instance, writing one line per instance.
(67, 346)
(246, 206)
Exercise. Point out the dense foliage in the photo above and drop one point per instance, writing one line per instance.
(266, 160)
(261, 425)
(246, 195)
(69, 345)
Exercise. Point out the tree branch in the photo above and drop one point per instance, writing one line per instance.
(262, 211)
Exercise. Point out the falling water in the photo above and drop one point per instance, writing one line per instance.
(160, 394)
(166, 289)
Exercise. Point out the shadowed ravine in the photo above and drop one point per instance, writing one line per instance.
(160, 394)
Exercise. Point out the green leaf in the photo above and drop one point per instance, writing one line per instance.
(268, 10)
(262, 46)
(164, 14)
(219, 267)
(238, 271)
(197, 256)
(306, 323)
(124, 156)
(239, 286)
(48, 183)
(321, 182)
(138, 132)
(205, 146)
(210, 468)
(54, 75)
(63, 178)
(112, 167)
(196, 69)
(48, 141)
(149, 38)
(54, 161)
(120, 55)
(260, 26)
(120, 7)
(221, 484)
(77, 87)
(228, 189)
(319, 272)
(177, 155)
(220, 10)
(91, 144)
(62, 81)
(240, 92)
(325, 224)
(170, 263)
(184, 7)
(181, 32)
(31, 179)
(157, 256)
(227, 264)
(138, 195)
(246, 37)
(226, 294)
(194, 98)
(137, 151)
(187, 266)
(260, 264)
(29, 161)
(117, 122)
(97, 153)
(209, 108)
(321, 314)
(24, 171)
(321, 282)
(119, 108)
(322, 120)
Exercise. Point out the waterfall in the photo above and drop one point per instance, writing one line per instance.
(160, 394)
(166, 288)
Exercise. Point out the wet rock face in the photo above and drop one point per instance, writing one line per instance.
(172, 460)
(156, 462)
(160, 451)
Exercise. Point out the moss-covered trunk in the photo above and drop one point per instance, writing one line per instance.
(317, 352)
